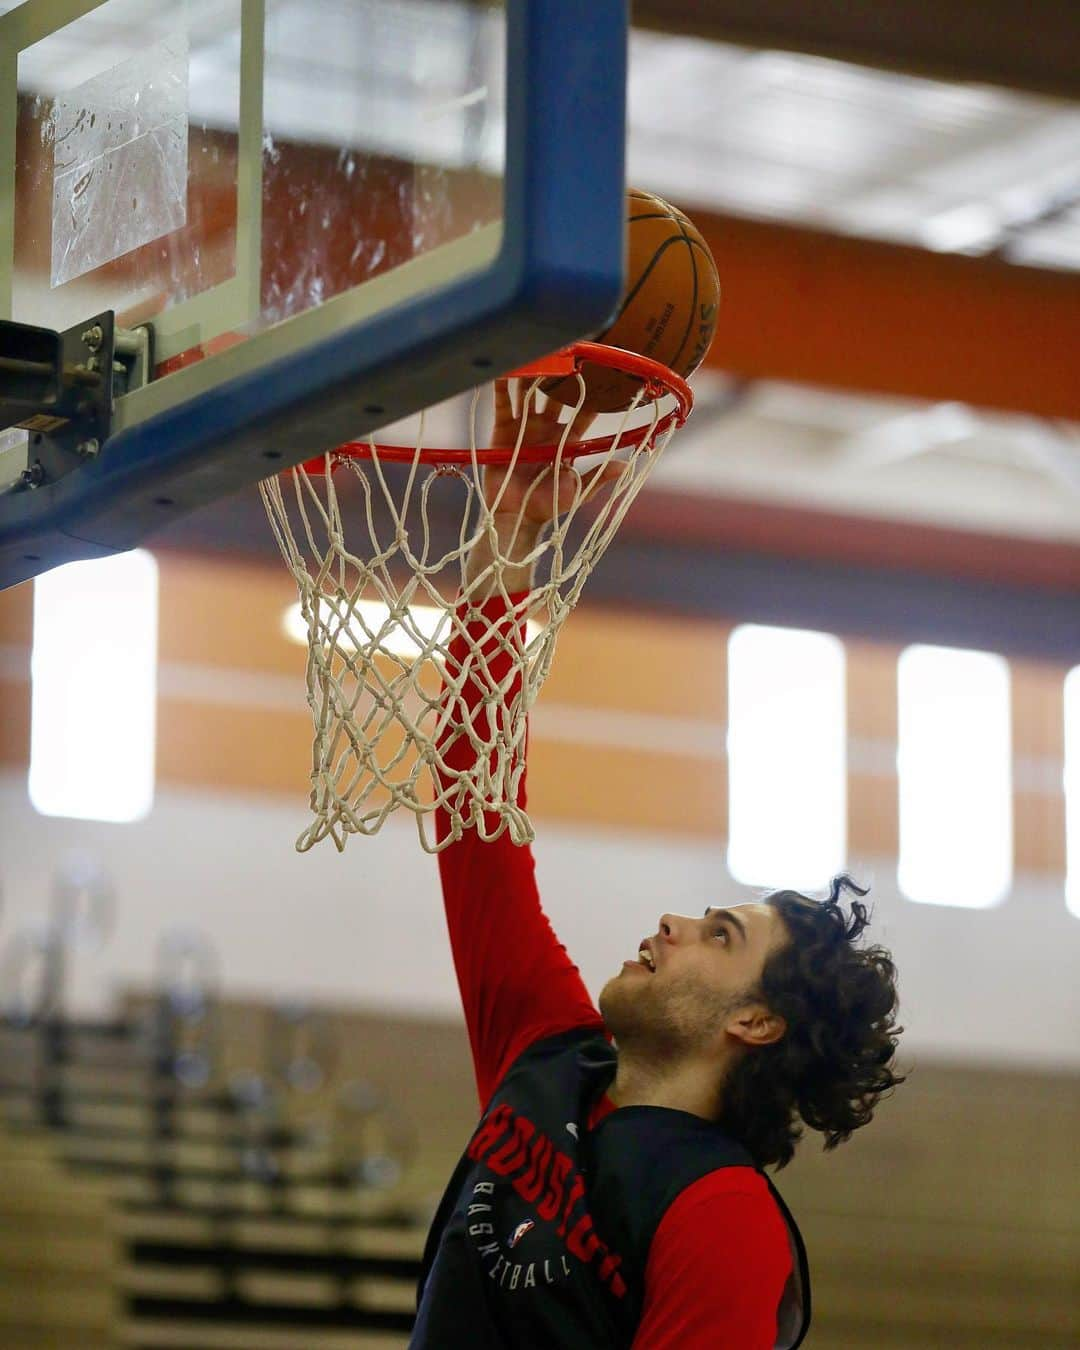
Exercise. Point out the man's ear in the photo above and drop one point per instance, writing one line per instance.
(754, 1025)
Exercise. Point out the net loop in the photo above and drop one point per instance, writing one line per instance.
(401, 722)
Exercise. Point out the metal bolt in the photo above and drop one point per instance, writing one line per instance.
(93, 337)
(89, 448)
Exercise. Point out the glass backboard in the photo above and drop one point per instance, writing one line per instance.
(304, 221)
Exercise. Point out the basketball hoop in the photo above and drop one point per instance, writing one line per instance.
(382, 723)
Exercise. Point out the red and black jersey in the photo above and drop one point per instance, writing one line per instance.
(544, 1236)
(568, 1222)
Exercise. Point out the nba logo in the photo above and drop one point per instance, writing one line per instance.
(519, 1232)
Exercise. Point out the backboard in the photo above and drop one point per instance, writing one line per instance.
(234, 233)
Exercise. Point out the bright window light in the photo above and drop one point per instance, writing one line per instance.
(94, 673)
(426, 622)
(787, 757)
(955, 772)
(1072, 790)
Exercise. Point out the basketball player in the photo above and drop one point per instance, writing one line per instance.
(613, 1193)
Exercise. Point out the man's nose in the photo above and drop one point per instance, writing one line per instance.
(670, 927)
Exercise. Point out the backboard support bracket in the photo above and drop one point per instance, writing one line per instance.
(60, 388)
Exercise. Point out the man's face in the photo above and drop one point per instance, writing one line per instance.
(705, 971)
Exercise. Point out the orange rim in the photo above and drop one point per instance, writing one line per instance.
(657, 379)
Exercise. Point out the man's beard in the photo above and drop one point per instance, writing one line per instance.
(667, 1020)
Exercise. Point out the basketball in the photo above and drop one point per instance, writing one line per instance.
(669, 307)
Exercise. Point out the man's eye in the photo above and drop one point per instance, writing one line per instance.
(722, 932)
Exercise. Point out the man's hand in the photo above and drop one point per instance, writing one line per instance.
(521, 514)
(542, 427)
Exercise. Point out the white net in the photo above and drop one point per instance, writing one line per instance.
(400, 720)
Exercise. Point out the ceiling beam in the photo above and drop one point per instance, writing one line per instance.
(709, 523)
(873, 603)
(858, 314)
(1031, 47)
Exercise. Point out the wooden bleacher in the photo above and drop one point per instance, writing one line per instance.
(169, 1217)
(59, 1254)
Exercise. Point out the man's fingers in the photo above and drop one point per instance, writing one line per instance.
(504, 406)
(606, 473)
(580, 424)
(592, 481)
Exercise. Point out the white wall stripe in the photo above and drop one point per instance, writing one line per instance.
(14, 663)
(871, 757)
(630, 731)
(1038, 775)
(232, 688)
(649, 733)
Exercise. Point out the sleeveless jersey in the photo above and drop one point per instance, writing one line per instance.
(541, 1239)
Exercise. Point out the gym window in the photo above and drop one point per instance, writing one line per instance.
(1072, 790)
(787, 756)
(955, 777)
(94, 688)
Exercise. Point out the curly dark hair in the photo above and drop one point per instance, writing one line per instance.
(833, 1062)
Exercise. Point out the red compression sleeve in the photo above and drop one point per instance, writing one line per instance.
(516, 980)
(717, 1268)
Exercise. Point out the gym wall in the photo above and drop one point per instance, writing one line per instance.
(627, 786)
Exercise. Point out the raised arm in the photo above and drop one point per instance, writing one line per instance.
(517, 982)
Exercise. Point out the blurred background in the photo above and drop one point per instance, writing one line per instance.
(839, 630)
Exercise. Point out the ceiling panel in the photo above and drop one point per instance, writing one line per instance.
(963, 168)
(939, 464)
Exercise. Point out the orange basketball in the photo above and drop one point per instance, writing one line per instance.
(668, 310)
